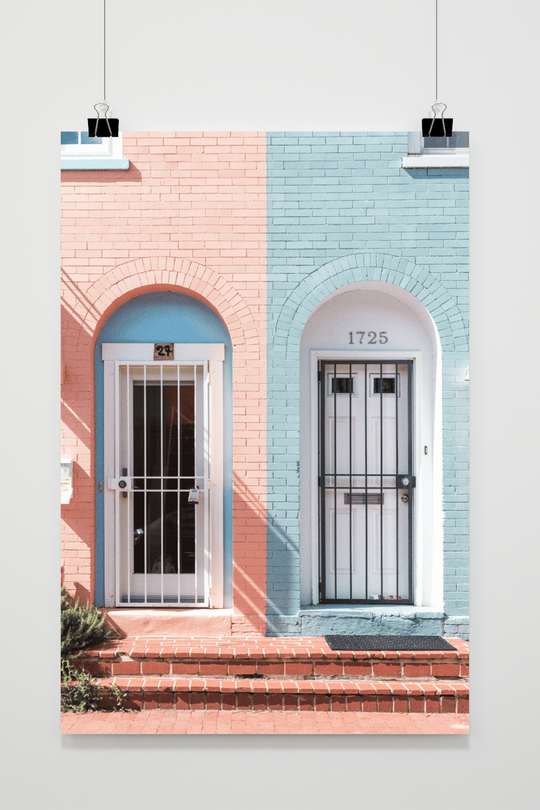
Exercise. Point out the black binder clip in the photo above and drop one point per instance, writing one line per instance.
(102, 127)
(437, 127)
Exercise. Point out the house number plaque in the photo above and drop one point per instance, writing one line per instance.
(363, 338)
(163, 351)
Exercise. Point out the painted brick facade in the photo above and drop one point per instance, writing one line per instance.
(262, 228)
(190, 216)
(341, 209)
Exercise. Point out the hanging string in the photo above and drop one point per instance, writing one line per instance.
(436, 49)
(104, 49)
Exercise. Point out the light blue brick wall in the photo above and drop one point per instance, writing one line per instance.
(341, 209)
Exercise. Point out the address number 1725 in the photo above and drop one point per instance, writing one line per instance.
(370, 338)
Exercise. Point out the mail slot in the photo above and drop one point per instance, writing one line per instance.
(364, 497)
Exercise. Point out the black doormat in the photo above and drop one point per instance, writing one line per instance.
(373, 643)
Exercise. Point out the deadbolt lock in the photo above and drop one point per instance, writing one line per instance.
(405, 498)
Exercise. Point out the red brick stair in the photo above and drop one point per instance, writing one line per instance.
(301, 674)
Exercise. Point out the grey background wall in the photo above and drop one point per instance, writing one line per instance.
(256, 64)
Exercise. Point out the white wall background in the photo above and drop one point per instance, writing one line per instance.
(260, 65)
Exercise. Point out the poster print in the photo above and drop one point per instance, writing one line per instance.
(264, 387)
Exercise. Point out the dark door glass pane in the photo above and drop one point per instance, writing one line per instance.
(342, 385)
(164, 462)
(388, 385)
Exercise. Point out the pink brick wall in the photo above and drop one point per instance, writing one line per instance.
(189, 215)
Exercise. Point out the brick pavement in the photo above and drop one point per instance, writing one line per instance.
(269, 722)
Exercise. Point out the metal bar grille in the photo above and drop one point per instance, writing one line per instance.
(162, 447)
(381, 432)
(128, 471)
(335, 490)
(366, 453)
(410, 466)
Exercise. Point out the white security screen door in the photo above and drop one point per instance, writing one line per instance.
(161, 509)
(365, 481)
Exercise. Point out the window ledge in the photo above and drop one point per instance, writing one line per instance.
(435, 162)
(368, 611)
(93, 164)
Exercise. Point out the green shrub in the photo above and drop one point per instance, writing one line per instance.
(81, 626)
(120, 699)
(78, 689)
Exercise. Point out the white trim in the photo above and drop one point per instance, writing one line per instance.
(451, 161)
(421, 157)
(216, 485)
(213, 354)
(418, 441)
(109, 465)
(109, 148)
(107, 155)
(144, 352)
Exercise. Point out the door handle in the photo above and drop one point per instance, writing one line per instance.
(124, 484)
(406, 481)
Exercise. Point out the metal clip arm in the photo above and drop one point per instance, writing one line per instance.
(105, 111)
(432, 108)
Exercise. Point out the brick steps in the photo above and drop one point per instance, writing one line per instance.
(260, 673)
(260, 695)
(293, 661)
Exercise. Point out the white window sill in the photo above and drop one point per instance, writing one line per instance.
(93, 164)
(435, 162)
(344, 611)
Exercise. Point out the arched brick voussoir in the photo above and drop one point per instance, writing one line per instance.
(126, 281)
(337, 274)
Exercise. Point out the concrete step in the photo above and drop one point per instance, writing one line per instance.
(174, 622)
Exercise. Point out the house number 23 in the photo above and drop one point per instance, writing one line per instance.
(371, 337)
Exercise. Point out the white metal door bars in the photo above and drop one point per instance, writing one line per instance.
(162, 495)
